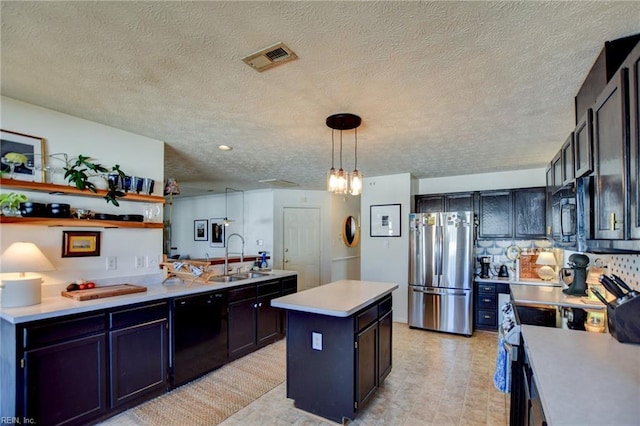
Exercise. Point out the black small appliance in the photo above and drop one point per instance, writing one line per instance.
(503, 272)
(485, 264)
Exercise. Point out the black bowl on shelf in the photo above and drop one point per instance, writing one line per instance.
(58, 210)
(132, 217)
(29, 209)
(105, 216)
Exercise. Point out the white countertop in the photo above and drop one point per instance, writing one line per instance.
(337, 299)
(550, 296)
(508, 280)
(584, 378)
(58, 305)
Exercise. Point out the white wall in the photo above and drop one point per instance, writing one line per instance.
(252, 218)
(137, 155)
(485, 181)
(387, 258)
(345, 261)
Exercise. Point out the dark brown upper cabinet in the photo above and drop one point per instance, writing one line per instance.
(583, 145)
(457, 201)
(495, 214)
(567, 152)
(611, 151)
(633, 65)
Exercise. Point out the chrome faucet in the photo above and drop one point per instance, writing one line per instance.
(226, 252)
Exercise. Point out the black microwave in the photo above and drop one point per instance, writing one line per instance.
(565, 217)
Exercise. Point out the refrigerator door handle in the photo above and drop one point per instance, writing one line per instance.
(440, 293)
(439, 251)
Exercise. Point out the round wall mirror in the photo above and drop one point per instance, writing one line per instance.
(350, 231)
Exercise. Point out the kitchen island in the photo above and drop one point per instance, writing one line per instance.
(338, 345)
(584, 378)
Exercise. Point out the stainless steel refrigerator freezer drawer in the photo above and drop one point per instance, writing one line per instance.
(441, 309)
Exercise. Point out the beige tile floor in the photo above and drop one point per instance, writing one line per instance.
(437, 379)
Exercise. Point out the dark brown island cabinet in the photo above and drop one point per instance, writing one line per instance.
(338, 346)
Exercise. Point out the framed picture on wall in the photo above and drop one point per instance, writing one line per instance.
(80, 243)
(200, 230)
(385, 220)
(21, 156)
(217, 232)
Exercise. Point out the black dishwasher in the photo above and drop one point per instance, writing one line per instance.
(199, 335)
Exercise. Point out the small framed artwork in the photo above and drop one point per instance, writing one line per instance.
(80, 243)
(200, 230)
(385, 220)
(217, 232)
(15, 148)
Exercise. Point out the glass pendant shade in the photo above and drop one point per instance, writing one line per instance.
(332, 180)
(356, 183)
(341, 187)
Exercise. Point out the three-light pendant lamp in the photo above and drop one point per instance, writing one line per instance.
(341, 182)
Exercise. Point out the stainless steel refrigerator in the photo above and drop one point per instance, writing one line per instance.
(441, 271)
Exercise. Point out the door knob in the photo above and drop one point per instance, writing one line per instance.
(286, 261)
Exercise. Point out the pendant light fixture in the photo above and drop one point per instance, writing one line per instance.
(341, 183)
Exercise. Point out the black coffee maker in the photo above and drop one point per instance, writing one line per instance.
(485, 265)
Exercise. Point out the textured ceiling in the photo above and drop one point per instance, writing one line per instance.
(443, 88)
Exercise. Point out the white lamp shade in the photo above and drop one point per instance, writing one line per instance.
(546, 258)
(25, 290)
(24, 257)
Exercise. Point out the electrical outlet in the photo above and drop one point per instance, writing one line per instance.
(316, 341)
(139, 262)
(112, 263)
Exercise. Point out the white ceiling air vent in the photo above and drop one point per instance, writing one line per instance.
(278, 183)
(270, 57)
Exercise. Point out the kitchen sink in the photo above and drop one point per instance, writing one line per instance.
(225, 279)
(250, 274)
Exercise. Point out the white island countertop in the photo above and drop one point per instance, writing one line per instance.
(337, 299)
(584, 378)
(550, 296)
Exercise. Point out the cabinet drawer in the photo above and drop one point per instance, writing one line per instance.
(486, 301)
(365, 318)
(385, 306)
(242, 293)
(486, 318)
(51, 332)
(289, 285)
(138, 315)
(486, 288)
(270, 287)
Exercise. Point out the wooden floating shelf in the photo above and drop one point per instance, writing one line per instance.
(72, 190)
(78, 223)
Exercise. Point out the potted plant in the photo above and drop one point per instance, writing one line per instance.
(83, 169)
(10, 203)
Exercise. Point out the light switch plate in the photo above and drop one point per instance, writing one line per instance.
(316, 341)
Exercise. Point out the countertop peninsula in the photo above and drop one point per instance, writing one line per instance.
(527, 295)
(584, 378)
(55, 306)
(338, 299)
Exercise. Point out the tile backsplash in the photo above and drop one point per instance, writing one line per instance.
(626, 266)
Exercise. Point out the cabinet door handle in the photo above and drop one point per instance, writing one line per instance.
(487, 316)
(486, 300)
(260, 305)
(255, 305)
(612, 221)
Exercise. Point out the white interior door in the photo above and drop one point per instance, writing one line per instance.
(302, 245)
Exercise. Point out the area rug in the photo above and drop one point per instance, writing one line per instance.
(212, 398)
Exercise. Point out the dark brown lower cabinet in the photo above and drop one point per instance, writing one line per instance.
(385, 336)
(139, 353)
(65, 383)
(367, 362)
(253, 322)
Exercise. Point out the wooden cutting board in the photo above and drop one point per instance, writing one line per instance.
(104, 291)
